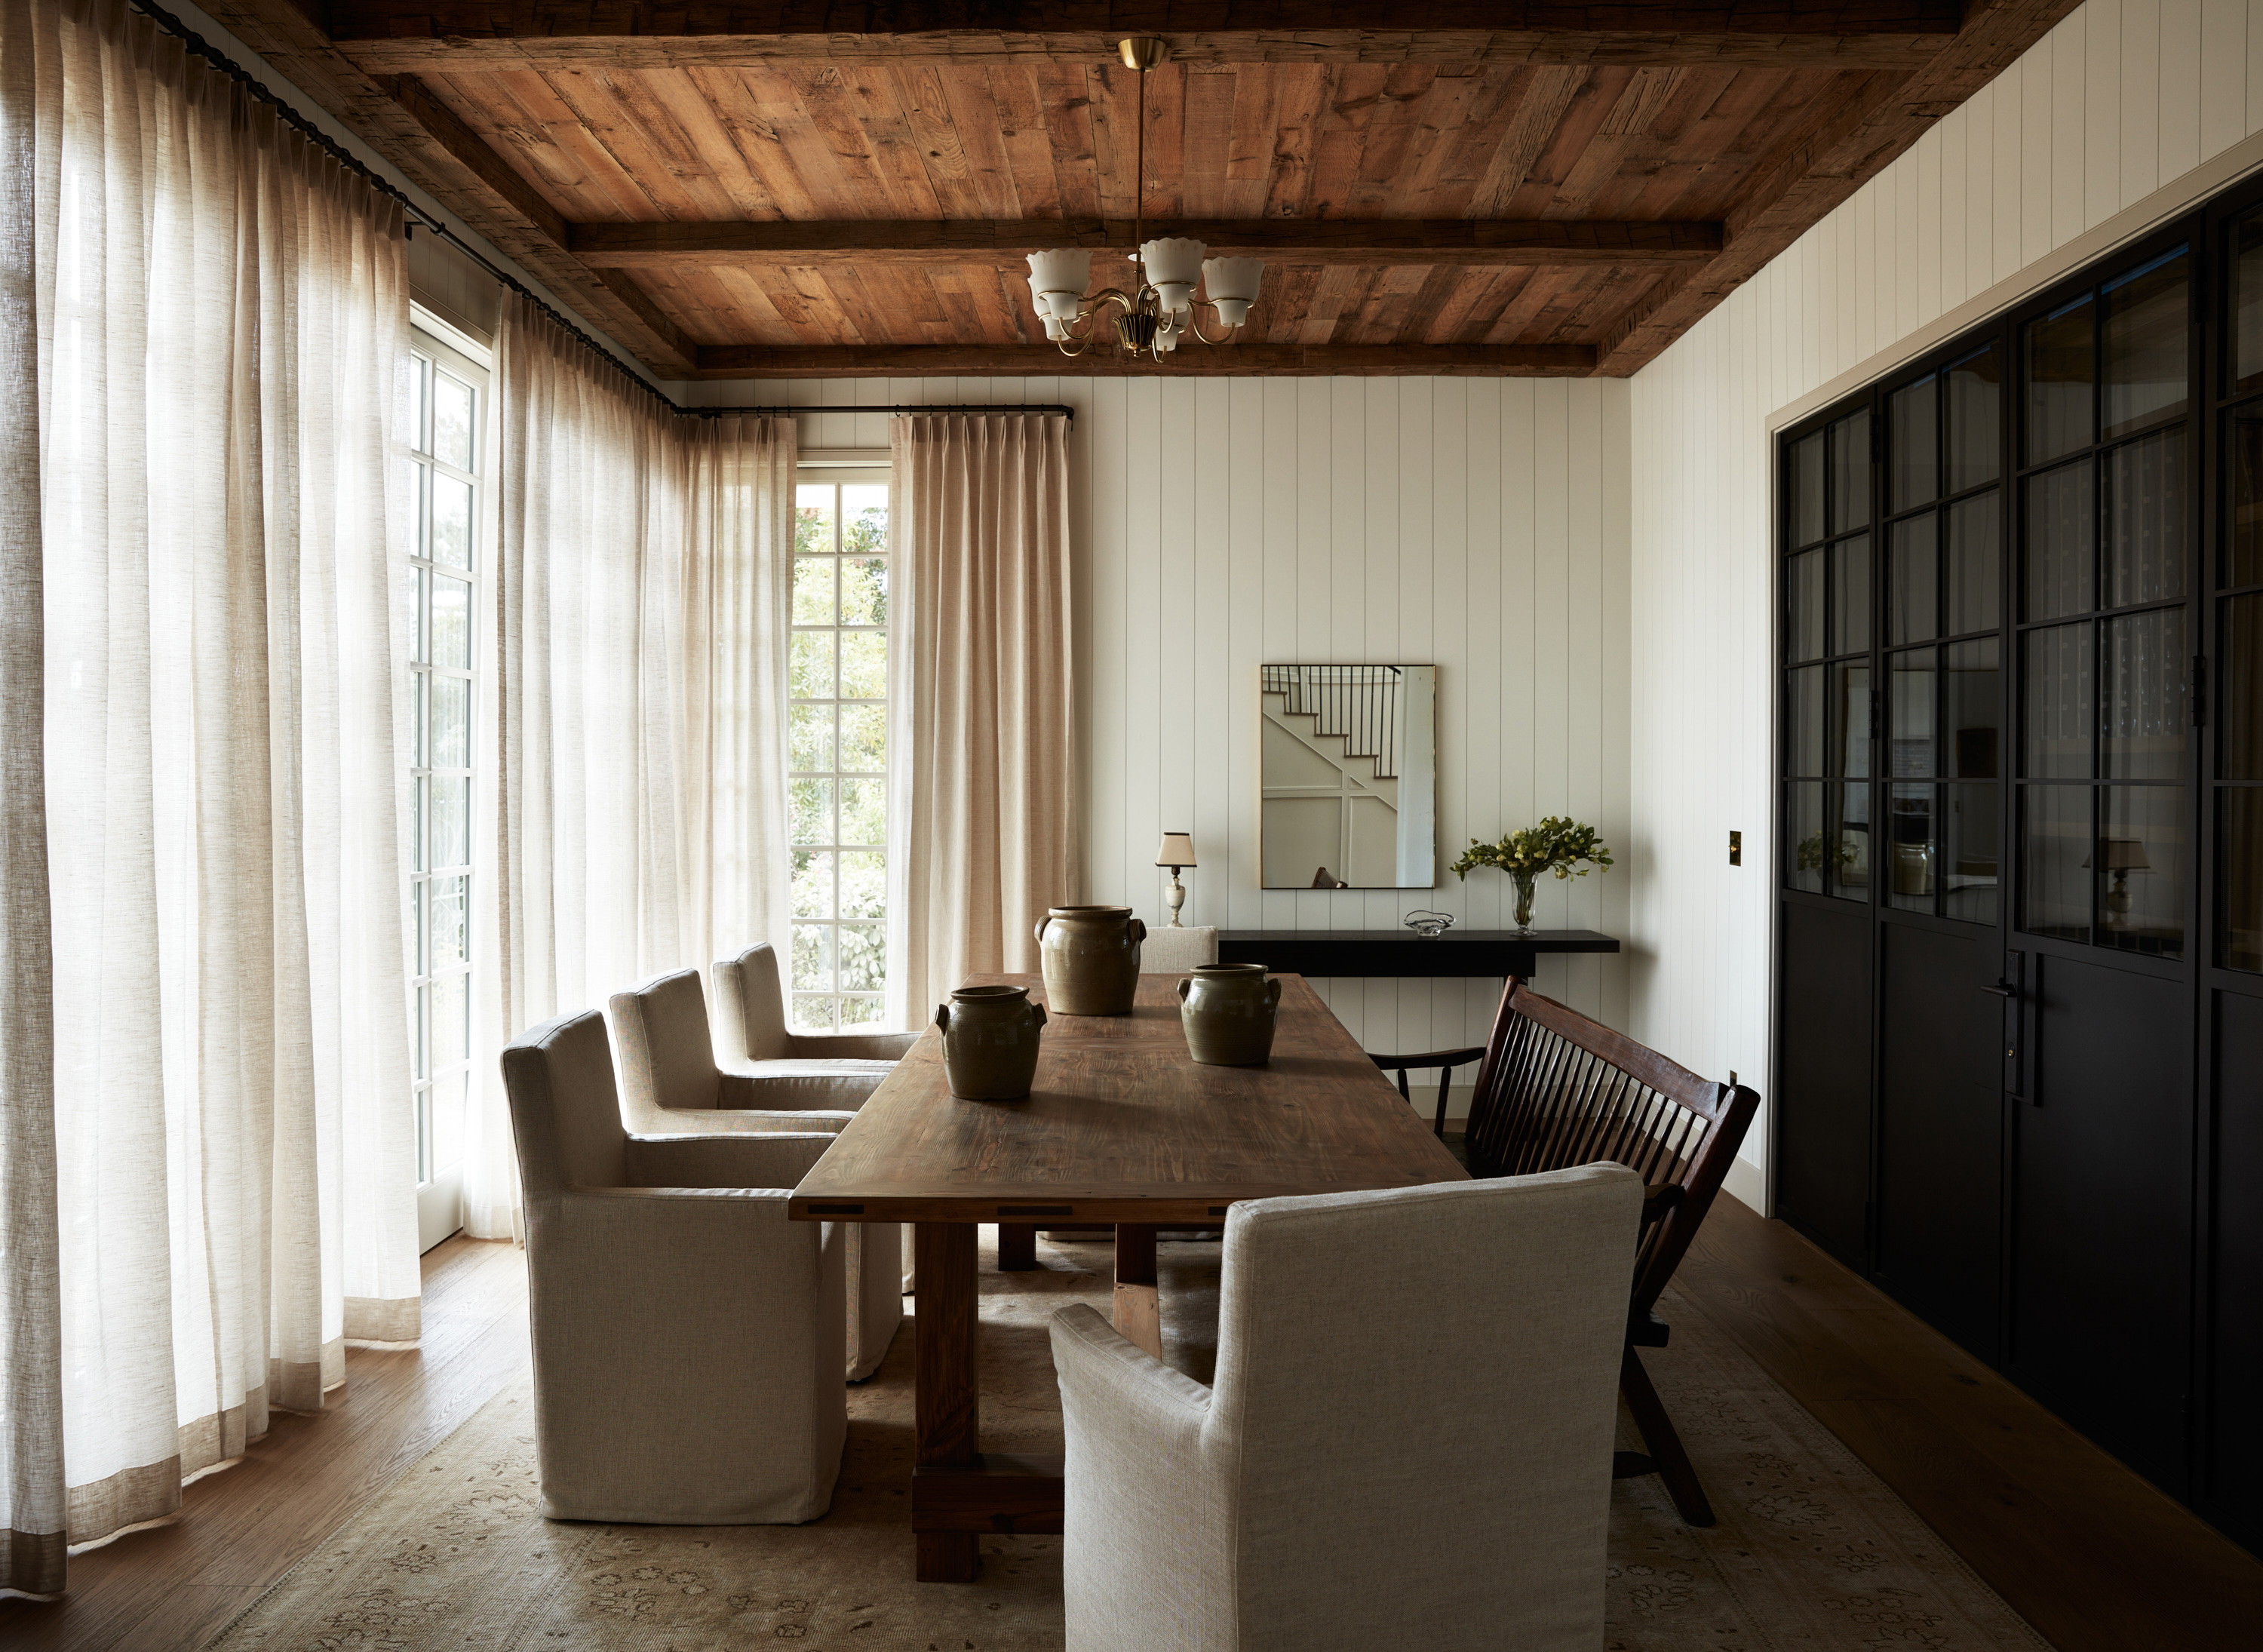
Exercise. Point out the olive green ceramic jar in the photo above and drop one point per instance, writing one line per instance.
(990, 1042)
(1227, 1011)
(1091, 958)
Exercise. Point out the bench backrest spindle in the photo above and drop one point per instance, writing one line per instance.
(1556, 1090)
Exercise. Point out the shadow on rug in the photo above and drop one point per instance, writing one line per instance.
(1812, 1553)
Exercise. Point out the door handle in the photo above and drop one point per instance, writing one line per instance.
(2003, 990)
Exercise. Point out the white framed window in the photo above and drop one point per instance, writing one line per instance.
(446, 439)
(836, 745)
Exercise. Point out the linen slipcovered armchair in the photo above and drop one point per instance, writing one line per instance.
(752, 1036)
(1173, 952)
(687, 1336)
(671, 1084)
(1408, 1444)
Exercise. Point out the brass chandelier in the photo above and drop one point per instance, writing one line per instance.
(1162, 309)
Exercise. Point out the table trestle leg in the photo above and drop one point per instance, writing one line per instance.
(948, 1413)
(1138, 1313)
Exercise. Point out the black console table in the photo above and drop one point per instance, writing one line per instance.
(1458, 952)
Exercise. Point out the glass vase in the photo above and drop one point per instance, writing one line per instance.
(1525, 881)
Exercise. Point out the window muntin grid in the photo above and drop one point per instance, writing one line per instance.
(837, 779)
(441, 597)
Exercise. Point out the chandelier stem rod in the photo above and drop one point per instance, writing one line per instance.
(1139, 176)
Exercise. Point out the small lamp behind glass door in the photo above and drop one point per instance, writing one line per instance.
(1178, 850)
(2123, 856)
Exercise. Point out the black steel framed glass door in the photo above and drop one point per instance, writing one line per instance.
(2020, 929)
(2105, 517)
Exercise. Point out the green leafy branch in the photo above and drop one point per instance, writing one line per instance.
(1559, 845)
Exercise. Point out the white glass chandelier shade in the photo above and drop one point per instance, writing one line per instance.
(1158, 309)
(1173, 265)
(1057, 280)
(1231, 285)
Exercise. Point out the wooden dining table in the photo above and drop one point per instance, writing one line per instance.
(1122, 1127)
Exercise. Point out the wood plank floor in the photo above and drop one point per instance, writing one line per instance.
(172, 1588)
(2091, 1554)
(2095, 1558)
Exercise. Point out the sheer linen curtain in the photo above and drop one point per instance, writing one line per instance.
(986, 809)
(637, 822)
(199, 513)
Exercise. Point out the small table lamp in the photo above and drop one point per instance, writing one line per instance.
(1178, 850)
(2123, 856)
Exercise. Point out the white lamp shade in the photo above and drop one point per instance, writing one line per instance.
(1173, 261)
(1063, 273)
(1055, 329)
(1230, 284)
(1178, 850)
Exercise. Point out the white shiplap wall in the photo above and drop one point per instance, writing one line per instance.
(2119, 117)
(1476, 523)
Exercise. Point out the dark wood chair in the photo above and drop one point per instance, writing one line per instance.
(1442, 1062)
(1555, 1089)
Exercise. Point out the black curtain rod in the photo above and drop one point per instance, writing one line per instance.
(289, 115)
(876, 407)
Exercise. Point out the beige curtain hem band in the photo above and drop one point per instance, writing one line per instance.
(381, 1319)
(130, 1498)
(31, 1564)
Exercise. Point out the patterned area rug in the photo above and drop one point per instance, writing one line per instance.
(1812, 1553)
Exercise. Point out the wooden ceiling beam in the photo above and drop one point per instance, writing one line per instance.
(1828, 167)
(1333, 240)
(465, 55)
(1190, 360)
(467, 36)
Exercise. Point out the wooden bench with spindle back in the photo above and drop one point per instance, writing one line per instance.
(1555, 1088)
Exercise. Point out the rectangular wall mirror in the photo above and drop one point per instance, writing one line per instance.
(1349, 757)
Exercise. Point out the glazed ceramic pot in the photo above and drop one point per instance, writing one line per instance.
(1227, 1012)
(990, 1042)
(1091, 958)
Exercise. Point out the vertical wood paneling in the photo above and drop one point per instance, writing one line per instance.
(2114, 104)
(2222, 73)
(1481, 525)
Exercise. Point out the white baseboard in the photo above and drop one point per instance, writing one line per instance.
(1747, 1184)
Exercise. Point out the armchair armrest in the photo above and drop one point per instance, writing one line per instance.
(743, 1161)
(1114, 1389)
(850, 1046)
(1143, 1497)
(749, 1119)
(738, 1089)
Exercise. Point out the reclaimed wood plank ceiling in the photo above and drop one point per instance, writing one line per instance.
(801, 188)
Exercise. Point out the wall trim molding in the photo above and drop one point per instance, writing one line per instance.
(2171, 201)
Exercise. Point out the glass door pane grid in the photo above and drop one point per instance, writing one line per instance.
(2103, 516)
(837, 756)
(2237, 769)
(1829, 593)
(1941, 616)
(442, 600)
